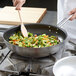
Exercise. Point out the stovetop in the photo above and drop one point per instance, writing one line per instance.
(10, 61)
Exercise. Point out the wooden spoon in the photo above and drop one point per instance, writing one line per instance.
(23, 28)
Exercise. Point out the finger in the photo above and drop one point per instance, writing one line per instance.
(15, 2)
(73, 17)
(73, 11)
(19, 5)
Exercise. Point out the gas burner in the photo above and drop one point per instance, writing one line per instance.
(35, 65)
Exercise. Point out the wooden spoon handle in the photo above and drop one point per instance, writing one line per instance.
(20, 17)
(23, 28)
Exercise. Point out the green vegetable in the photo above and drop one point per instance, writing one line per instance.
(33, 40)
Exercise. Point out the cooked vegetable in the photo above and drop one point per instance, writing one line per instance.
(33, 40)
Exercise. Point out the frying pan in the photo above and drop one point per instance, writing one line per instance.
(37, 29)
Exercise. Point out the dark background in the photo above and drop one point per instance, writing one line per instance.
(49, 4)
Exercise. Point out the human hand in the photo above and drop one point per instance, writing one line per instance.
(74, 14)
(18, 3)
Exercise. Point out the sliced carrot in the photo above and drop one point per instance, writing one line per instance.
(35, 35)
(50, 44)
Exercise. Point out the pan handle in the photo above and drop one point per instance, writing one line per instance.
(60, 24)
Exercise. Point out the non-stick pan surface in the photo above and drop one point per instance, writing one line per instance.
(37, 29)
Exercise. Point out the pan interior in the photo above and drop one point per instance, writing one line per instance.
(38, 29)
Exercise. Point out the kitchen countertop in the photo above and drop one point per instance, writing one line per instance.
(50, 18)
